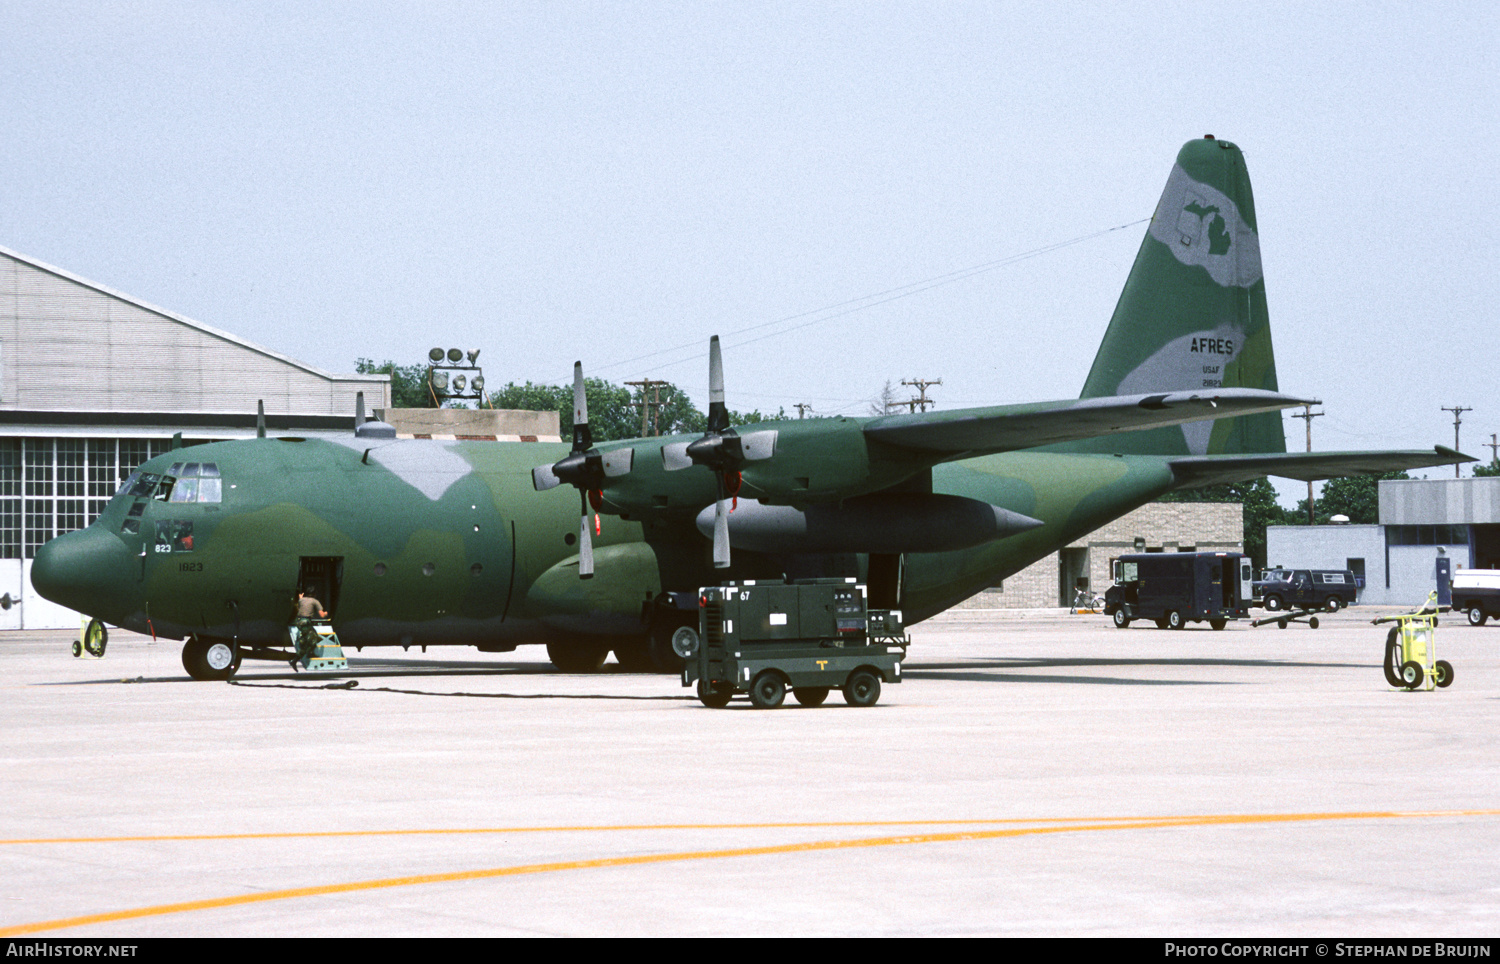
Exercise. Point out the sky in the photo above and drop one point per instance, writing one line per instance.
(616, 182)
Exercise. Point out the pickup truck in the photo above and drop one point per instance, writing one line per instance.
(1477, 593)
(1330, 589)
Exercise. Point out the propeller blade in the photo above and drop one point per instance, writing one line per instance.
(585, 543)
(359, 409)
(580, 398)
(715, 371)
(618, 462)
(543, 478)
(718, 414)
(582, 437)
(675, 457)
(260, 419)
(721, 534)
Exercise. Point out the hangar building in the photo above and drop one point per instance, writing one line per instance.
(93, 382)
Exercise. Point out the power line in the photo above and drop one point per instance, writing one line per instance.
(1457, 411)
(864, 302)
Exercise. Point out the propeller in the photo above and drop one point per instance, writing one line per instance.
(721, 449)
(586, 469)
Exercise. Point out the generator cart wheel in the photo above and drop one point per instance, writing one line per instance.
(1442, 673)
(1411, 674)
(1273, 603)
(1218, 624)
(1174, 620)
(1333, 604)
(810, 695)
(862, 689)
(1476, 616)
(95, 638)
(1392, 647)
(77, 648)
(1312, 622)
(767, 690)
(1281, 624)
(714, 697)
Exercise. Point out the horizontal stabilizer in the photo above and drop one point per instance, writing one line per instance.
(1198, 470)
(1007, 428)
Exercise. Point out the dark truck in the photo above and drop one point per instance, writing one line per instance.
(1476, 592)
(1177, 588)
(1330, 589)
(811, 636)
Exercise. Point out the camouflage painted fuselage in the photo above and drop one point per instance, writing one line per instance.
(447, 542)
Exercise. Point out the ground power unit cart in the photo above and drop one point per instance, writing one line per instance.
(811, 636)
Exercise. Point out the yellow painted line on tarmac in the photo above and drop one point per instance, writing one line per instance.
(643, 859)
(565, 828)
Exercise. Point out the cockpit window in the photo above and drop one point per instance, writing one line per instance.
(192, 482)
(186, 490)
(129, 483)
(144, 484)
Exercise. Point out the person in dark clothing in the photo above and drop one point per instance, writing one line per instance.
(308, 609)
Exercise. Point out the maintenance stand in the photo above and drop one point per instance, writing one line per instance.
(809, 636)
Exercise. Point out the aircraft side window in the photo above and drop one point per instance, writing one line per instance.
(164, 488)
(210, 490)
(132, 526)
(163, 541)
(129, 483)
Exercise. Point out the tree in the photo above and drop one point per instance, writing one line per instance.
(1482, 471)
(1258, 498)
(614, 411)
(1355, 496)
(887, 402)
(408, 382)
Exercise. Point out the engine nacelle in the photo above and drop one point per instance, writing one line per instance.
(881, 522)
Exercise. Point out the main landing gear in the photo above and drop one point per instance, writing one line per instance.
(210, 659)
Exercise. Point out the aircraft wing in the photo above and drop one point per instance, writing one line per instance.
(1193, 471)
(1006, 428)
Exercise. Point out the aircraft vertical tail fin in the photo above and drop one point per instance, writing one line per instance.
(1193, 314)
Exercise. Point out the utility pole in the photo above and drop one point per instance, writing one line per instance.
(1494, 447)
(920, 384)
(649, 407)
(1307, 416)
(1457, 411)
(802, 409)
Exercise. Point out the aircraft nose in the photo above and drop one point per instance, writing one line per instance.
(86, 571)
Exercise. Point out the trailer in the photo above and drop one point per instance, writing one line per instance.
(811, 636)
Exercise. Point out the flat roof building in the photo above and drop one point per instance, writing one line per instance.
(1396, 558)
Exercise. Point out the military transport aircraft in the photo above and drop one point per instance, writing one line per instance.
(423, 542)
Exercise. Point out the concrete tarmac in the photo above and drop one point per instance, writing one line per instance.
(1036, 775)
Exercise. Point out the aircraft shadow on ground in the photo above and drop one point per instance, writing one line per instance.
(973, 671)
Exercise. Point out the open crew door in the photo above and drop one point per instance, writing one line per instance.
(321, 577)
